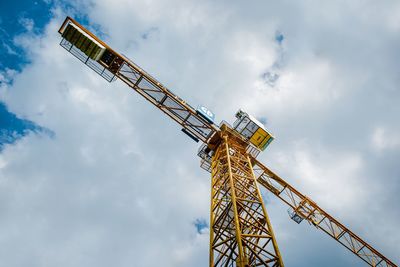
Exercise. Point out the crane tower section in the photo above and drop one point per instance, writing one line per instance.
(240, 230)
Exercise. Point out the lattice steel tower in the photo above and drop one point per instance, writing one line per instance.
(240, 231)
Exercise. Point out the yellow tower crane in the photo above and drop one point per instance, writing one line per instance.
(240, 230)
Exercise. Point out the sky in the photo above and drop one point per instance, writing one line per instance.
(93, 175)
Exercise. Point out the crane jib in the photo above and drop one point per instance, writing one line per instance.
(304, 208)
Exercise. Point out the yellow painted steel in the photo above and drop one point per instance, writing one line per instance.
(240, 231)
(307, 209)
(258, 137)
(241, 259)
(261, 138)
(265, 213)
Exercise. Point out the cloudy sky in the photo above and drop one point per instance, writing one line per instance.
(92, 175)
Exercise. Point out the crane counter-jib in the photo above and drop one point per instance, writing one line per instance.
(110, 65)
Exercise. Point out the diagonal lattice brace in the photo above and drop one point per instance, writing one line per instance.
(240, 231)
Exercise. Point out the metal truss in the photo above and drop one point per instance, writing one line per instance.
(113, 64)
(305, 208)
(240, 231)
(165, 100)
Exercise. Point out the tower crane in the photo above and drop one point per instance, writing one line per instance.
(240, 230)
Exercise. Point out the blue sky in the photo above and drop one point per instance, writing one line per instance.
(12, 127)
(92, 175)
(17, 18)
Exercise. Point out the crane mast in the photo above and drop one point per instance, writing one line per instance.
(240, 230)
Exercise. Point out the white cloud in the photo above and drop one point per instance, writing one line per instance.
(27, 23)
(327, 174)
(120, 185)
(3, 163)
(6, 76)
(382, 139)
